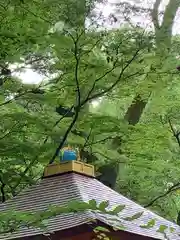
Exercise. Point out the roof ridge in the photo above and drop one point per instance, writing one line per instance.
(84, 196)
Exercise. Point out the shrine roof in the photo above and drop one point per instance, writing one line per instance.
(59, 190)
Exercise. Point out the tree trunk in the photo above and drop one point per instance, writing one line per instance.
(163, 35)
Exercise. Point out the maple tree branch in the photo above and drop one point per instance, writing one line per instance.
(78, 102)
(96, 95)
(36, 157)
(65, 135)
(77, 110)
(78, 106)
(58, 121)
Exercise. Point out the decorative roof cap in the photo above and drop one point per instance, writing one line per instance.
(69, 166)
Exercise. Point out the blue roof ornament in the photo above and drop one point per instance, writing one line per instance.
(69, 154)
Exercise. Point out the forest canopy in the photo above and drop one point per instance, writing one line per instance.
(110, 86)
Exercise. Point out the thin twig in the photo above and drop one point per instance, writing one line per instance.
(99, 141)
(176, 134)
(97, 95)
(9, 132)
(58, 121)
(108, 158)
(76, 54)
(87, 139)
(175, 187)
(2, 189)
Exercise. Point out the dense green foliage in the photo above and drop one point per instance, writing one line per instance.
(129, 71)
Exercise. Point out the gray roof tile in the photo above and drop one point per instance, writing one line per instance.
(59, 190)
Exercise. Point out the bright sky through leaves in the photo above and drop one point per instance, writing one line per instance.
(30, 76)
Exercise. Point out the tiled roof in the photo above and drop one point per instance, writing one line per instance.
(59, 190)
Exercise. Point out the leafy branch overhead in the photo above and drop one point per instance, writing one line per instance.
(12, 220)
